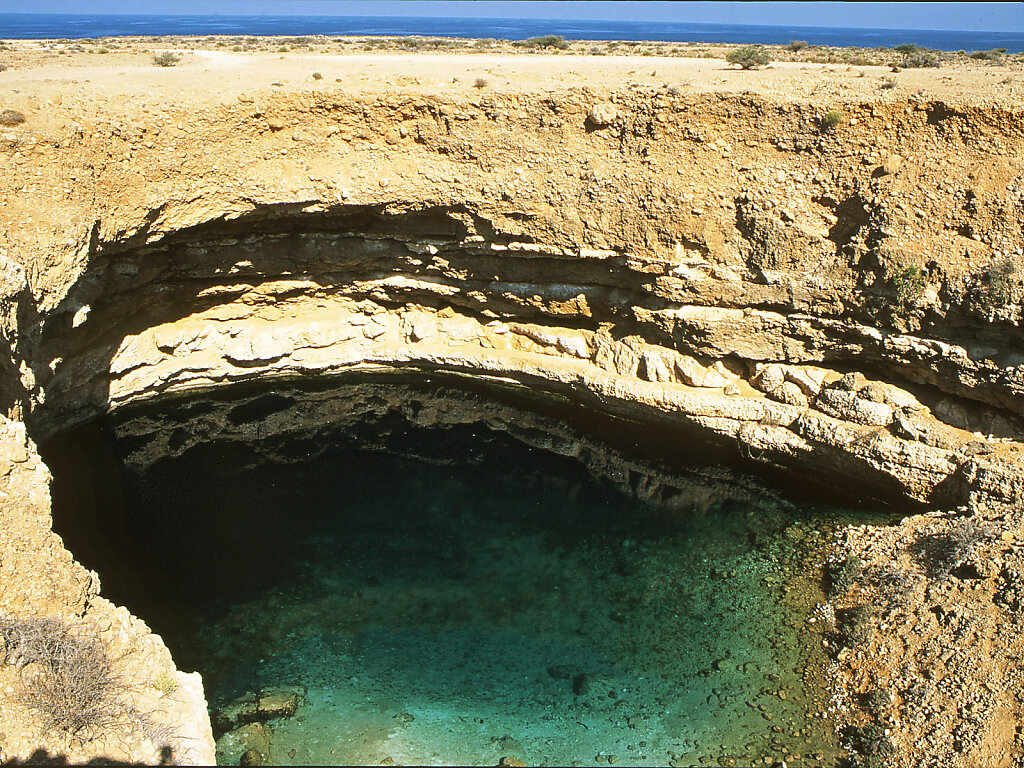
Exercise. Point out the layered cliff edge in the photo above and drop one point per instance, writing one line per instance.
(837, 298)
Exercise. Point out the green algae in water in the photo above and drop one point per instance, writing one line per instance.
(461, 612)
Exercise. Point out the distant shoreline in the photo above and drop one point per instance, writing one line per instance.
(34, 26)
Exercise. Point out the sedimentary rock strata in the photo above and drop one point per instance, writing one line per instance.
(714, 263)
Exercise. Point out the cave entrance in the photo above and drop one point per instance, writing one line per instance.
(446, 576)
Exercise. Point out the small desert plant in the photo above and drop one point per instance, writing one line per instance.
(102, 50)
(843, 575)
(830, 120)
(797, 45)
(544, 41)
(995, 285)
(888, 84)
(854, 624)
(873, 748)
(946, 553)
(165, 59)
(908, 282)
(166, 683)
(11, 117)
(748, 57)
(67, 677)
(996, 54)
(921, 58)
(894, 584)
(480, 83)
(317, 76)
(906, 49)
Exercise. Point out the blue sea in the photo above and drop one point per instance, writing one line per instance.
(38, 25)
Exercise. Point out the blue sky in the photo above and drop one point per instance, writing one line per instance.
(1007, 17)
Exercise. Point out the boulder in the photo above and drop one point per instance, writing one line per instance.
(267, 704)
(846, 405)
(791, 394)
(890, 165)
(248, 744)
(694, 374)
(769, 378)
(601, 115)
(658, 365)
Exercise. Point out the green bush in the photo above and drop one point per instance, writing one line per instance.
(544, 41)
(873, 748)
(830, 120)
(996, 54)
(748, 57)
(854, 624)
(921, 58)
(165, 59)
(843, 575)
(906, 48)
(797, 45)
(908, 282)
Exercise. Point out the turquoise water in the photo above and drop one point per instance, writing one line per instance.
(488, 600)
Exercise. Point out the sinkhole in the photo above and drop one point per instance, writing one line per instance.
(447, 573)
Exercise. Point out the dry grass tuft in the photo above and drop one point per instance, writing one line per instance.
(67, 677)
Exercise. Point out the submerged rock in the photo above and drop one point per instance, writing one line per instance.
(267, 704)
(247, 745)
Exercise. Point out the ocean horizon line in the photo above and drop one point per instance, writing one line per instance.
(95, 25)
(715, 24)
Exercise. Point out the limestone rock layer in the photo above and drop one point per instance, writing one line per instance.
(716, 263)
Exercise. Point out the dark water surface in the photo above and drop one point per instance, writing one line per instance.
(460, 596)
(37, 25)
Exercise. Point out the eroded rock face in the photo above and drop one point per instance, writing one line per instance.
(231, 308)
(648, 269)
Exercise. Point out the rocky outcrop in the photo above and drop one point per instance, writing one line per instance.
(715, 265)
(165, 717)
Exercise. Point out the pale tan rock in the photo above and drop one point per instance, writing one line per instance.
(769, 378)
(694, 374)
(658, 365)
(843, 404)
(790, 393)
(602, 114)
(891, 164)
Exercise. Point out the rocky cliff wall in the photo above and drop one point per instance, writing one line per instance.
(842, 301)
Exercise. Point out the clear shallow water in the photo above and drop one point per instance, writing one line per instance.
(36, 25)
(508, 606)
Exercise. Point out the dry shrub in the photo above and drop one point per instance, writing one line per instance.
(11, 117)
(67, 677)
(165, 59)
